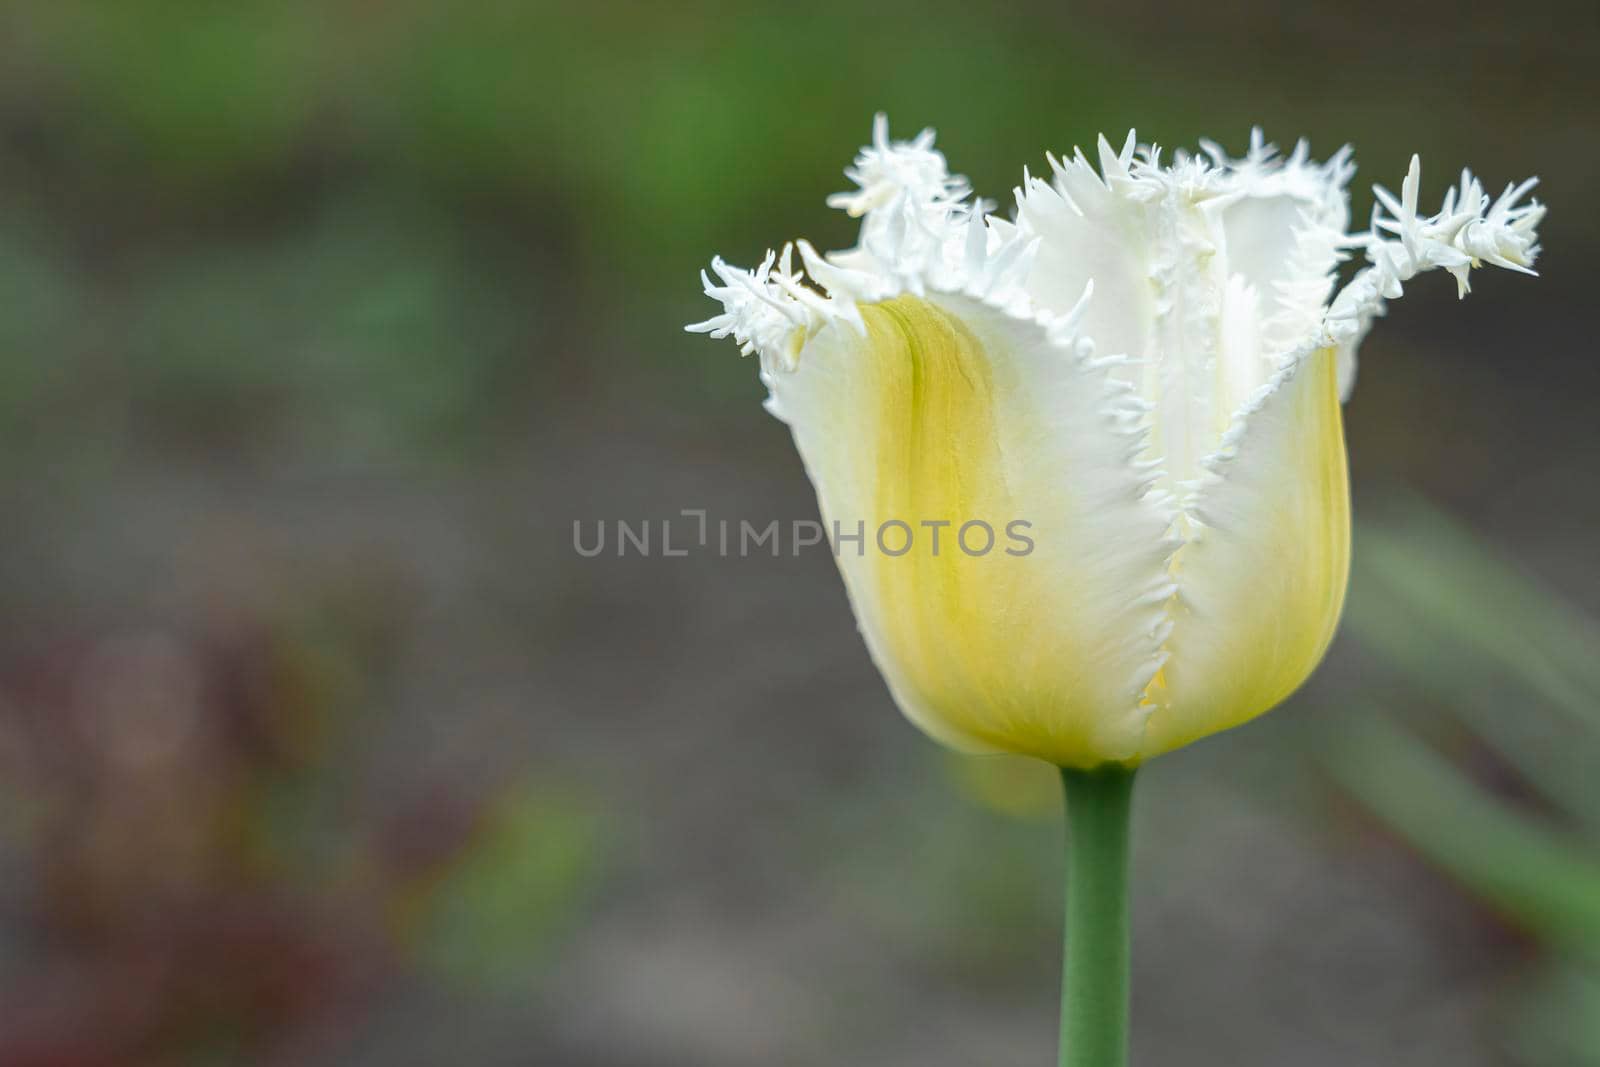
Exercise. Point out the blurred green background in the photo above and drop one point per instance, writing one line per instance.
(320, 322)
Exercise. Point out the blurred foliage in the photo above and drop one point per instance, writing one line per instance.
(337, 339)
(1482, 756)
(955, 857)
(355, 310)
(177, 156)
(209, 878)
(493, 915)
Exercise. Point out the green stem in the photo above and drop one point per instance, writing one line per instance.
(1094, 985)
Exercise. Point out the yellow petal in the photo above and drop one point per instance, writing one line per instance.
(1262, 579)
(951, 411)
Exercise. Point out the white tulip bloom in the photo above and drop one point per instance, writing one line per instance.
(1145, 367)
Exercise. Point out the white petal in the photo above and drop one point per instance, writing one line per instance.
(1286, 246)
(1090, 234)
(1467, 232)
(1150, 246)
(951, 410)
(1261, 579)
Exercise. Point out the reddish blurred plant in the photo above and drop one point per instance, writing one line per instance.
(190, 869)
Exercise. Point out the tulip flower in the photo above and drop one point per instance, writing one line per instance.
(1135, 383)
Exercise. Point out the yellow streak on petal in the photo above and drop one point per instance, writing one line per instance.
(974, 647)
